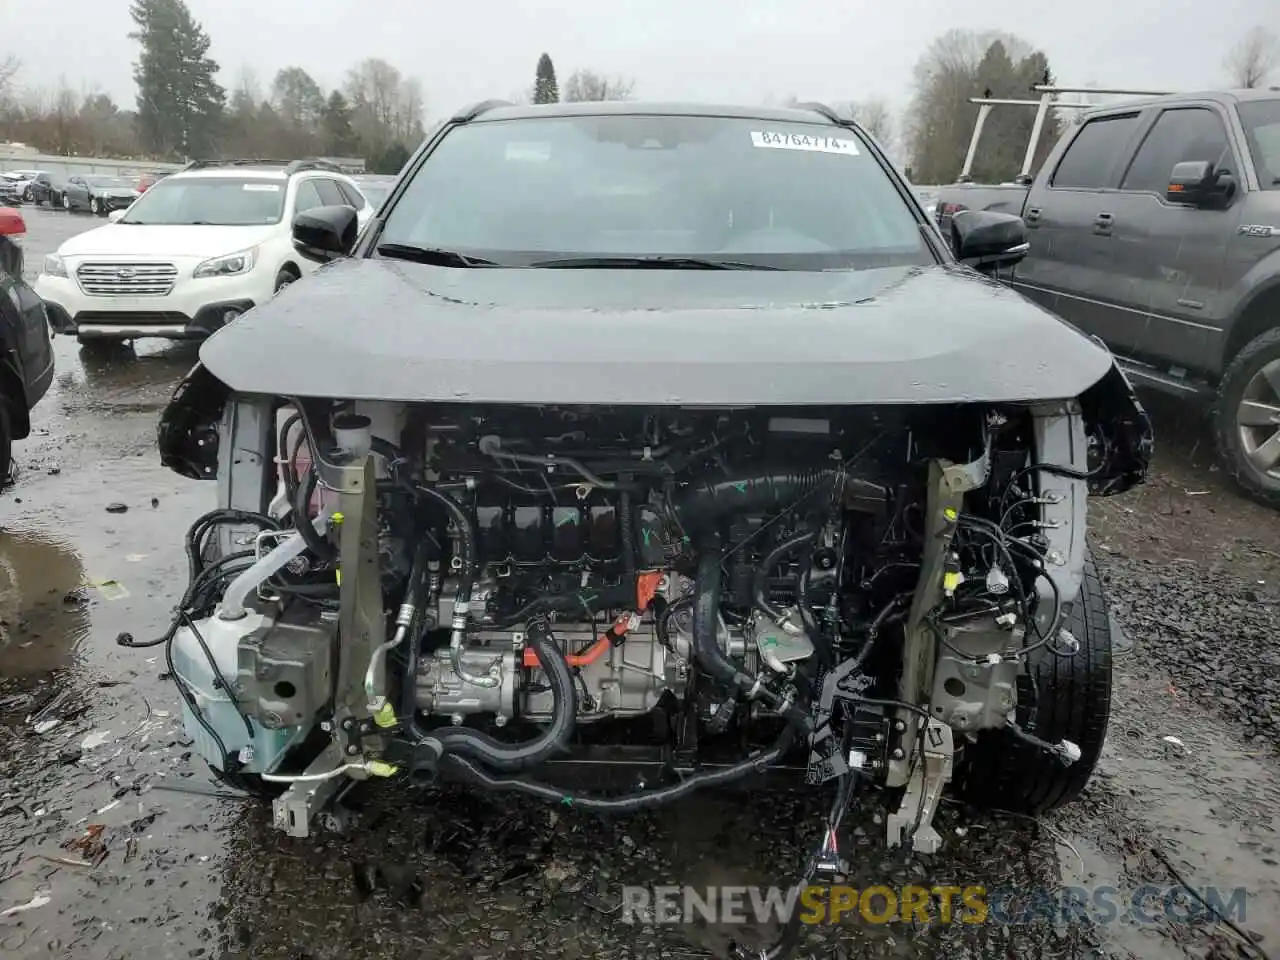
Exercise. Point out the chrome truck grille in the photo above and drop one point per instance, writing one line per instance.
(126, 279)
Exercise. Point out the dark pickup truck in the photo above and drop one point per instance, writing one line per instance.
(1155, 225)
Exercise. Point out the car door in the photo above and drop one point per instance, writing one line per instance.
(306, 197)
(353, 197)
(1067, 267)
(77, 191)
(1167, 268)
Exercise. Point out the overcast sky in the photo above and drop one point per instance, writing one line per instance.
(740, 51)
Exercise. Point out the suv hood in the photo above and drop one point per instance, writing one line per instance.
(388, 330)
(158, 241)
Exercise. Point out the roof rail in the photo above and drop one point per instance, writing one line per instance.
(467, 114)
(236, 162)
(298, 166)
(829, 112)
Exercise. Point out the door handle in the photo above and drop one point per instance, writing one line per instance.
(1032, 215)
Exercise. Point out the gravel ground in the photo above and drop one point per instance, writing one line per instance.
(187, 871)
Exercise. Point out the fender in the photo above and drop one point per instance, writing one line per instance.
(1121, 441)
(187, 436)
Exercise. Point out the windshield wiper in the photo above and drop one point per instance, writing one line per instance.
(434, 255)
(655, 262)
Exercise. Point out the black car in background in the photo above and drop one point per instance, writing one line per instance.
(99, 194)
(26, 350)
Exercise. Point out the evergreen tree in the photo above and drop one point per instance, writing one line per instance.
(339, 136)
(392, 160)
(545, 88)
(180, 103)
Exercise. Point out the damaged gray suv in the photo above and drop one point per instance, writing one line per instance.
(672, 438)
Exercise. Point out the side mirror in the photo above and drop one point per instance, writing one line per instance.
(115, 215)
(11, 223)
(326, 233)
(987, 238)
(1196, 183)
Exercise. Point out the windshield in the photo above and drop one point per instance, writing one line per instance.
(106, 182)
(210, 201)
(783, 194)
(1261, 119)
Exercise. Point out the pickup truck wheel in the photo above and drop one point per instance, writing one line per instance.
(1073, 696)
(1247, 418)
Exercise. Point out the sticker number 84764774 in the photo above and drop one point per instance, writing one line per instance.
(777, 140)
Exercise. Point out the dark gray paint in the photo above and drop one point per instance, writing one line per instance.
(381, 329)
(1166, 284)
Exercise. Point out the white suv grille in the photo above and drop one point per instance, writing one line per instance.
(126, 279)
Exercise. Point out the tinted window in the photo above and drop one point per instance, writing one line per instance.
(219, 201)
(1261, 119)
(350, 196)
(330, 195)
(1093, 153)
(1178, 135)
(780, 193)
(308, 197)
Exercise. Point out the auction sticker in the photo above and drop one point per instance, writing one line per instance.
(777, 140)
(261, 187)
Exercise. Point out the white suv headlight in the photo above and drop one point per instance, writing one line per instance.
(229, 266)
(53, 266)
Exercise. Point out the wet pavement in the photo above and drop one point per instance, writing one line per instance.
(94, 765)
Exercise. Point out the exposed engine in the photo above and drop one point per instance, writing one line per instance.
(479, 593)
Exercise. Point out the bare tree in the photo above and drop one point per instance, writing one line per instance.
(585, 85)
(8, 70)
(387, 106)
(958, 65)
(1253, 57)
(873, 116)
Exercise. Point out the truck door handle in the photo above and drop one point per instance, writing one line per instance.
(1032, 215)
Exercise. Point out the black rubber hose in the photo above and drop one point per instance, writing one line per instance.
(317, 544)
(512, 758)
(467, 535)
(760, 583)
(706, 649)
(627, 534)
(415, 593)
(703, 505)
(631, 803)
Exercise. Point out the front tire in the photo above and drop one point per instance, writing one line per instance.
(1074, 703)
(28, 196)
(6, 443)
(66, 202)
(1246, 418)
(95, 207)
(285, 277)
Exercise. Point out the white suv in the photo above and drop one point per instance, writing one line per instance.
(195, 251)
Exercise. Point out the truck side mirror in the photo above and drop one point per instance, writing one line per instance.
(1197, 183)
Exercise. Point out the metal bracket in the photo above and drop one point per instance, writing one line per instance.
(361, 626)
(948, 483)
(924, 790)
(292, 810)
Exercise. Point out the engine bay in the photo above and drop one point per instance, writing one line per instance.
(486, 593)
